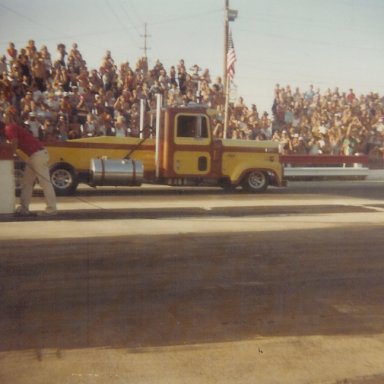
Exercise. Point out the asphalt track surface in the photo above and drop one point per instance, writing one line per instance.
(186, 286)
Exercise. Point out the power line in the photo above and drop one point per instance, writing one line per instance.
(135, 11)
(129, 17)
(183, 18)
(26, 18)
(116, 16)
(311, 42)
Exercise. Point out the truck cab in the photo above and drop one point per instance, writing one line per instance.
(191, 152)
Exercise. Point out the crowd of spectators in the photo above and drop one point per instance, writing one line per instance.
(311, 122)
(332, 122)
(61, 98)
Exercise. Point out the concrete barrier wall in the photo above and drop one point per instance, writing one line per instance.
(7, 180)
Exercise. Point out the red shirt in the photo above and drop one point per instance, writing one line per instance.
(26, 141)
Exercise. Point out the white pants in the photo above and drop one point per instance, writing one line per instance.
(37, 167)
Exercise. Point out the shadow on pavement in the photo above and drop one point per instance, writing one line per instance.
(157, 213)
(350, 188)
(150, 291)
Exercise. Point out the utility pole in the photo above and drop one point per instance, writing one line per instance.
(145, 40)
(145, 58)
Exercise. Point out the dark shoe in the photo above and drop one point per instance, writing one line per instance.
(22, 212)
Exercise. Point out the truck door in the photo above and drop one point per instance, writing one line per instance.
(192, 145)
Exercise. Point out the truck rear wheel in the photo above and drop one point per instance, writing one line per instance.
(64, 180)
(255, 182)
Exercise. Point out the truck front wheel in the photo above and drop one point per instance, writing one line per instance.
(255, 182)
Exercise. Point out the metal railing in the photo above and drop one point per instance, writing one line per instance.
(325, 166)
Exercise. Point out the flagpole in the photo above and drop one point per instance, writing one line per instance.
(225, 76)
(230, 15)
(226, 109)
(226, 29)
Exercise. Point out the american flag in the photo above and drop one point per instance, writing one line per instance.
(231, 57)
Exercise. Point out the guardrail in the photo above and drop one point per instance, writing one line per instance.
(324, 160)
(325, 166)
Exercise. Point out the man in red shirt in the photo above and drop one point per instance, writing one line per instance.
(36, 166)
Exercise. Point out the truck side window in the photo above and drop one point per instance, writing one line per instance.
(192, 126)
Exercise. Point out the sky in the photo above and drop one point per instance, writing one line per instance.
(327, 43)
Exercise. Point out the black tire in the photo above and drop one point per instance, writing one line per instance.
(255, 182)
(64, 180)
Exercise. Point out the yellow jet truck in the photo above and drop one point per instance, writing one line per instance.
(180, 151)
